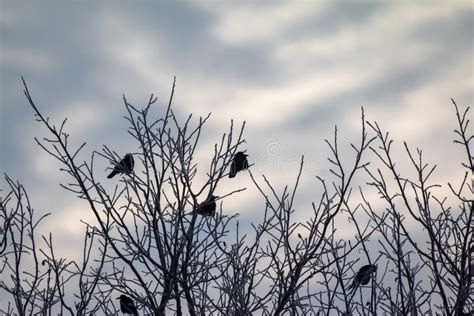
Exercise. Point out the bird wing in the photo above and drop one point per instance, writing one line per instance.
(206, 208)
(366, 269)
(130, 163)
(202, 208)
(233, 170)
(199, 208)
(129, 306)
(364, 279)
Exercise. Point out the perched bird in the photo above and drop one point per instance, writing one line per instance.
(238, 163)
(124, 166)
(208, 207)
(363, 276)
(127, 306)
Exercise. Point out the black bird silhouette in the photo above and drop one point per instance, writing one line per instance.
(127, 306)
(238, 163)
(208, 207)
(124, 166)
(363, 276)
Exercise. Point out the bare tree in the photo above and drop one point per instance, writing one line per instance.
(161, 249)
(446, 258)
(27, 279)
(35, 277)
(153, 242)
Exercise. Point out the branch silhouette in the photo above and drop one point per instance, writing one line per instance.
(375, 240)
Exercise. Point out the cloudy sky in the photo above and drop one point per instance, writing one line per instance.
(291, 70)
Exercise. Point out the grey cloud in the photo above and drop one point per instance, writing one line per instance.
(336, 16)
(455, 31)
(74, 39)
(393, 85)
(182, 33)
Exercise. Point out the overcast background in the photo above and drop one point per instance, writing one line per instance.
(291, 70)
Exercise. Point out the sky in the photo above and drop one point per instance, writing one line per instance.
(290, 70)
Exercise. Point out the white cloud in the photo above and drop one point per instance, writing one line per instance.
(307, 69)
(83, 115)
(67, 229)
(422, 111)
(134, 57)
(256, 22)
(272, 105)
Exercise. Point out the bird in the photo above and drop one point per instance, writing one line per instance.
(239, 162)
(208, 207)
(127, 306)
(363, 276)
(124, 166)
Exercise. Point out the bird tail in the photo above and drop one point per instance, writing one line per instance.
(353, 286)
(112, 174)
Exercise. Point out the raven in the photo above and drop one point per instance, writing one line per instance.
(127, 306)
(124, 166)
(239, 162)
(363, 276)
(208, 207)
